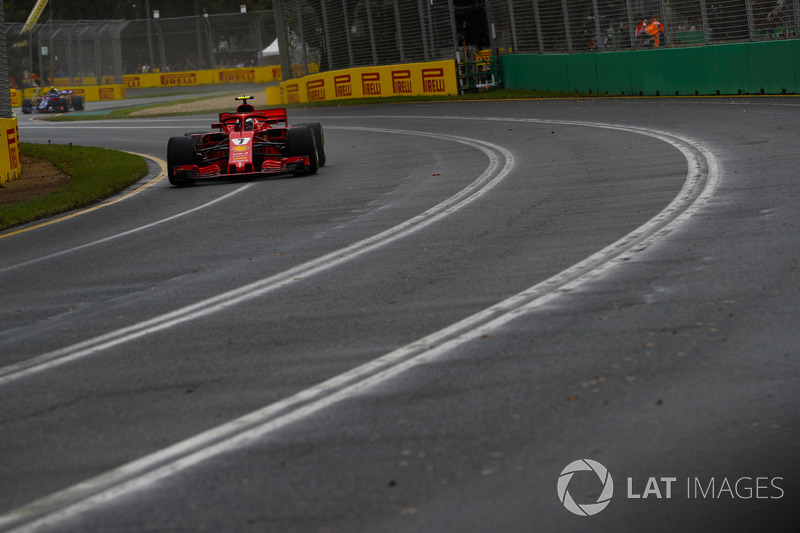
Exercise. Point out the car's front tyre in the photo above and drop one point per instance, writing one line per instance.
(319, 137)
(300, 141)
(180, 151)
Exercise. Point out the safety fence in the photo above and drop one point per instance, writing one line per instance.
(328, 35)
(103, 51)
(323, 35)
(338, 34)
(10, 167)
(747, 68)
(569, 26)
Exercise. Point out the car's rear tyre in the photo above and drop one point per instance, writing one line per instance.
(319, 136)
(300, 141)
(78, 102)
(180, 151)
(63, 104)
(27, 106)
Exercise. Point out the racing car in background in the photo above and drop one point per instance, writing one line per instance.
(247, 143)
(54, 101)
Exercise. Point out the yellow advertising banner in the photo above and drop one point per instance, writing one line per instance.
(203, 77)
(10, 167)
(111, 91)
(412, 79)
(93, 93)
(98, 93)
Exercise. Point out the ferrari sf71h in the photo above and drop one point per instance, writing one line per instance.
(247, 143)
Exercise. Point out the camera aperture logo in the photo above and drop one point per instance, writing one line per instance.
(585, 509)
(747, 487)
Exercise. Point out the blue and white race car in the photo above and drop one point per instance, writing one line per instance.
(54, 101)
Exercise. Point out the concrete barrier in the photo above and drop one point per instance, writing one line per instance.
(412, 79)
(769, 67)
(203, 77)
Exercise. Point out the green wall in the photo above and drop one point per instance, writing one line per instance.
(770, 67)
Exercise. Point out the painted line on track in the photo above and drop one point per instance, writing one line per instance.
(124, 233)
(160, 176)
(494, 174)
(703, 177)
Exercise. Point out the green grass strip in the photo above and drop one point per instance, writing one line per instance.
(95, 174)
(125, 112)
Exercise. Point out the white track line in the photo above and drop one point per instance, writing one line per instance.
(136, 475)
(493, 175)
(118, 235)
(161, 175)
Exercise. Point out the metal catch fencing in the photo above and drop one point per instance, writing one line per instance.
(102, 51)
(75, 49)
(5, 97)
(322, 35)
(570, 26)
(336, 34)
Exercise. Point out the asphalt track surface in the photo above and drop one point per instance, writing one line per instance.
(423, 336)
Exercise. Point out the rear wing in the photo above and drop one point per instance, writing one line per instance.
(274, 116)
(270, 116)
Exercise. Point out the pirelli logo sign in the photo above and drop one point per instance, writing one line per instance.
(182, 78)
(316, 90)
(371, 83)
(433, 81)
(245, 75)
(342, 86)
(12, 135)
(401, 82)
(293, 93)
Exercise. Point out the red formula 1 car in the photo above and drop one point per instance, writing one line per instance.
(248, 142)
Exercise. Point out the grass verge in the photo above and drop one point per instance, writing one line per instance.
(95, 174)
(125, 112)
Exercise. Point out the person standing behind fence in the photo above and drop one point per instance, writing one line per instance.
(640, 30)
(654, 29)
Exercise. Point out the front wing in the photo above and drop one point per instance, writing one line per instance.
(279, 165)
